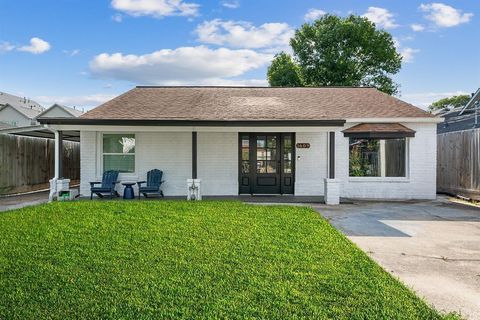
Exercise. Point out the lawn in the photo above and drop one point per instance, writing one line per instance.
(176, 259)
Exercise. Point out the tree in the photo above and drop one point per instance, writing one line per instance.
(449, 103)
(336, 51)
(283, 72)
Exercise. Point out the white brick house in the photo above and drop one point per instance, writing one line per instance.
(358, 142)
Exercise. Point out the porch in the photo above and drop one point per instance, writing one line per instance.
(216, 157)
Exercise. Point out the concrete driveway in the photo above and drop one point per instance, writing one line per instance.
(432, 246)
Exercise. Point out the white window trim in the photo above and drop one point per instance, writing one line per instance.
(123, 175)
(383, 179)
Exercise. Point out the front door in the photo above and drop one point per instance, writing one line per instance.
(266, 163)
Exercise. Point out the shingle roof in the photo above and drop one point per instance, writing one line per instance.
(253, 103)
(27, 112)
(15, 101)
(379, 127)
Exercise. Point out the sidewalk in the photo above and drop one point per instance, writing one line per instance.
(24, 200)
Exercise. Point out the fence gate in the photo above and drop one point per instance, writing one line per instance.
(458, 163)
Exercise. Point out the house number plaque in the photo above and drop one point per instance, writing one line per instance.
(303, 145)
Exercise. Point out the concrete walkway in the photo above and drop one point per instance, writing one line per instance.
(24, 200)
(432, 246)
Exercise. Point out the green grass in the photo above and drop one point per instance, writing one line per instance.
(176, 259)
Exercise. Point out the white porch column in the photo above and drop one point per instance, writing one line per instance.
(56, 183)
(58, 154)
(332, 185)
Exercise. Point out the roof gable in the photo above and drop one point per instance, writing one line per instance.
(70, 112)
(27, 113)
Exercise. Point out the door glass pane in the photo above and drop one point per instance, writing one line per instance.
(271, 154)
(287, 153)
(245, 142)
(287, 167)
(271, 142)
(261, 154)
(261, 167)
(245, 167)
(271, 166)
(261, 142)
(245, 154)
(287, 141)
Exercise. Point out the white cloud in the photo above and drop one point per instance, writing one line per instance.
(313, 14)
(408, 54)
(231, 4)
(381, 17)
(72, 53)
(117, 17)
(443, 15)
(36, 46)
(86, 101)
(424, 99)
(180, 65)
(241, 34)
(417, 27)
(156, 8)
(6, 46)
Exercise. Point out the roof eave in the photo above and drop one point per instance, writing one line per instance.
(397, 119)
(209, 123)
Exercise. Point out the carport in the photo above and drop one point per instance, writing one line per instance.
(44, 131)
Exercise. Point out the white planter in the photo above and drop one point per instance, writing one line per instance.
(194, 191)
(332, 191)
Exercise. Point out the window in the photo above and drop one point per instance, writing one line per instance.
(119, 152)
(245, 154)
(287, 154)
(377, 157)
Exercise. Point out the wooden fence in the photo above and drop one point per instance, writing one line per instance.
(26, 164)
(458, 163)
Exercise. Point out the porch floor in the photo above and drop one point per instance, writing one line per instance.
(262, 199)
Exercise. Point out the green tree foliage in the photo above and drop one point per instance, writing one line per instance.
(283, 72)
(336, 51)
(449, 103)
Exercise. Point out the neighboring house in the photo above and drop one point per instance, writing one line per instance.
(59, 111)
(22, 112)
(17, 111)
(463, 118)
(18, 116)
(332, 141)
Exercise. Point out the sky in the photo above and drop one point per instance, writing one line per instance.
(85, 52)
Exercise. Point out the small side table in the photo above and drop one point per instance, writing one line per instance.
(128, 191)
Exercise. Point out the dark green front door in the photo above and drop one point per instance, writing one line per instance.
(266, 164)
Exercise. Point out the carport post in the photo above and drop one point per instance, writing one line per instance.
(58, 154)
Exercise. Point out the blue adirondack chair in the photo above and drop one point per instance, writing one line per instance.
(109, 180)
(153, 183)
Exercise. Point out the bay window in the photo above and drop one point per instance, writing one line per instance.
(370, 157)
(119, 152)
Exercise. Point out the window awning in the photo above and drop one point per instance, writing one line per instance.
(379, 131)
